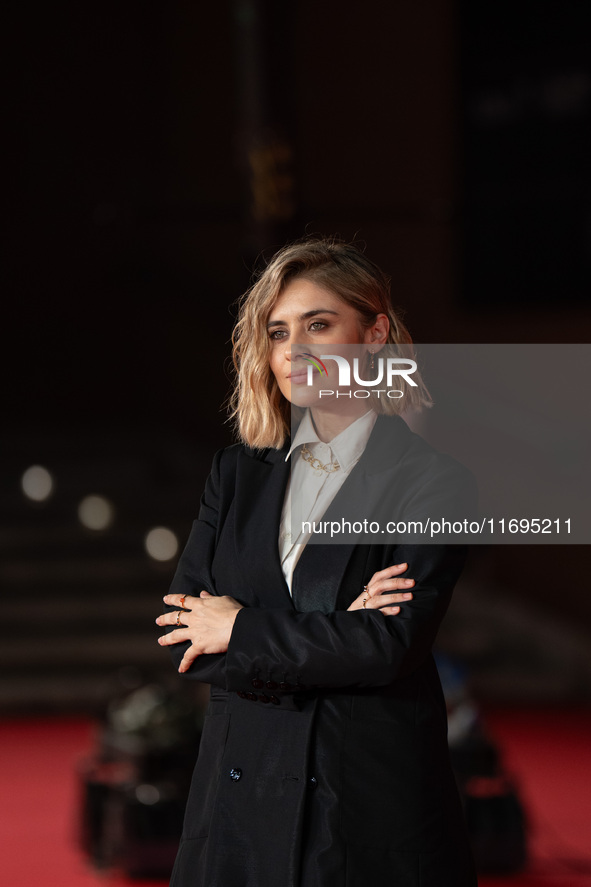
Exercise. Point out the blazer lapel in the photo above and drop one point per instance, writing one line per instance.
(261, 481)
(320, 570)
(318, 576)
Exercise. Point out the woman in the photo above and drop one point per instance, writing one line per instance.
(323, 759)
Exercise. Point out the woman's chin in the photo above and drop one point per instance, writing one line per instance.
(304, 396)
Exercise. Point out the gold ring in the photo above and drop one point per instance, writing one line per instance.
(178, 618)
(365, 600)
(183, 600)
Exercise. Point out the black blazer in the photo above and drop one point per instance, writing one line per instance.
(323, 759)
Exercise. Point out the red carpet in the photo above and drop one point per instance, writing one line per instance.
(550, 752)
(39, 806)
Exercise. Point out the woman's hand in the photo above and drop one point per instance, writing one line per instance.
(379, 592)
(206, 621)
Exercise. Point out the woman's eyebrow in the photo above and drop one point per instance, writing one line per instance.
(304, 316)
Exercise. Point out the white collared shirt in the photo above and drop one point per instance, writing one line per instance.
(310, 491)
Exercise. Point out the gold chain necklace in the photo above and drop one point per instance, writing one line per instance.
(316, 464)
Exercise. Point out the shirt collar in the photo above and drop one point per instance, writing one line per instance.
(347, 446)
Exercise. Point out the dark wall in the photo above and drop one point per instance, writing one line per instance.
(132, 228)
(124, 195)
(526, 76)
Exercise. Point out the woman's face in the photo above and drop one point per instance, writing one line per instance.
(309, 315)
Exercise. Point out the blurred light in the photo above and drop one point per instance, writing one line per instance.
(96, 512)
(147, 794)
(37, 483)
(161, 544)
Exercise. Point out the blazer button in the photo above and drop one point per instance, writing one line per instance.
(271, 685)
(263, 698)
(257, 684)
(252, 696)
(235, 774)
(313, 782)
(274, 700)
(284, 687)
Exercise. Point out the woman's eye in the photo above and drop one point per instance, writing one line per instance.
(318, 325)
(277, 334)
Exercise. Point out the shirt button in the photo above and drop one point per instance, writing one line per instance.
(235, 774)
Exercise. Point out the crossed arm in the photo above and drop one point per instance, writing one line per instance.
(206, 621)
(361, 646)
(383, 633)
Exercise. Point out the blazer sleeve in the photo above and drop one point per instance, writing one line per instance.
(360, 648)
(193, 574)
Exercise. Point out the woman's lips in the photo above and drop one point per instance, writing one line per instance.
(300, 377)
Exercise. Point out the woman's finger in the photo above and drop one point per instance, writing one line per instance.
(379, 601)
(387, 600)
(382, 600)
(188, 659)
(383, 585)
(178, 600)
(174, 637)
(394, 570)
(173, 618)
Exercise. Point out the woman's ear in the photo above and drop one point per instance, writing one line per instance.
(377, 333)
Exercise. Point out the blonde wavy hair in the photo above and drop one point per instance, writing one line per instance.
(260, 411)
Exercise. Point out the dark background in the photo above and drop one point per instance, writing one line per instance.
(158, 151)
